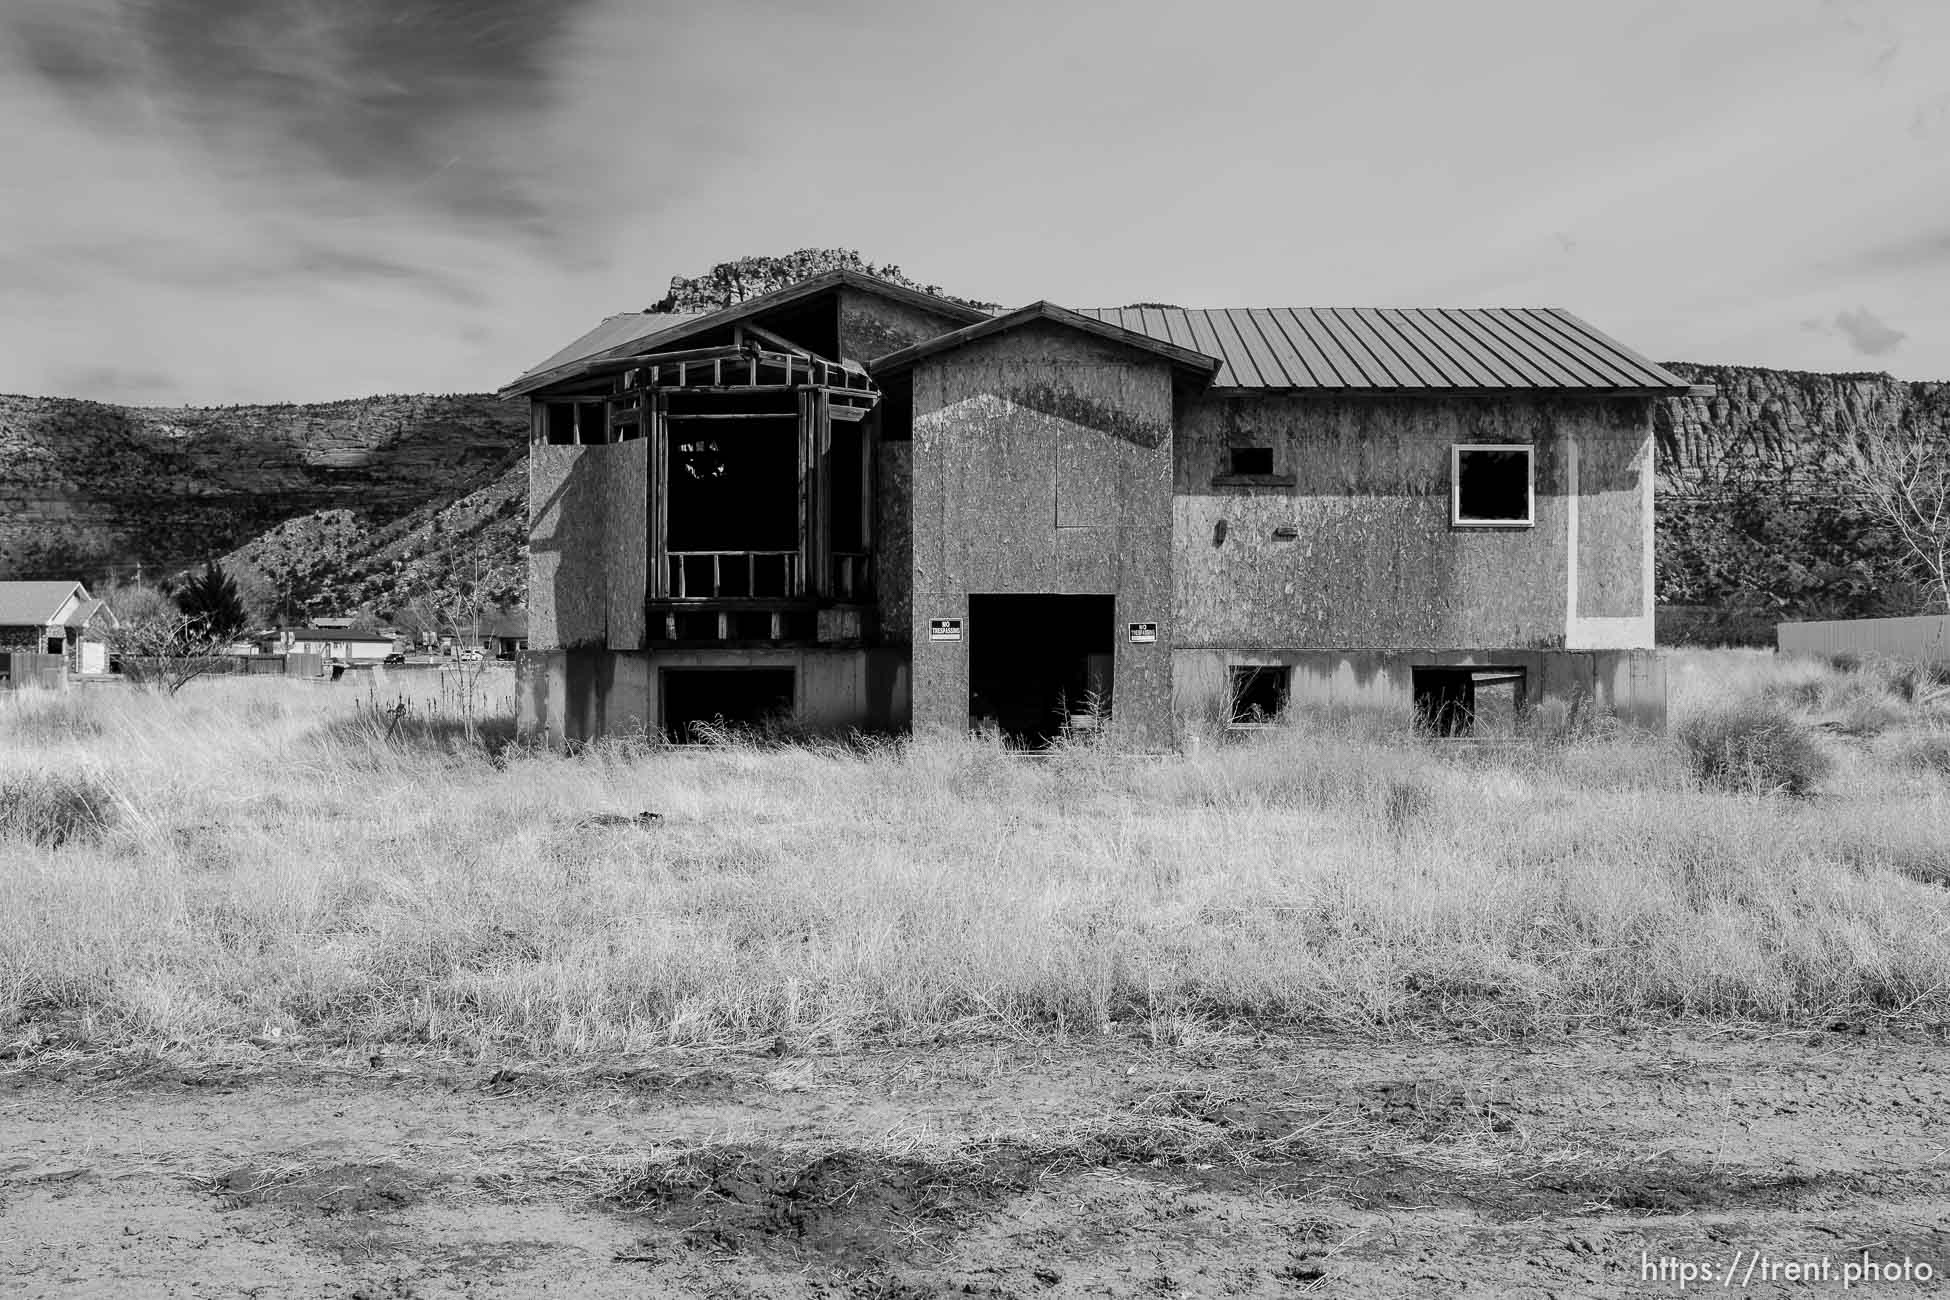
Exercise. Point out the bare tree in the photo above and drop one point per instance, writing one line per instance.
(159, 645)
(1902, 475)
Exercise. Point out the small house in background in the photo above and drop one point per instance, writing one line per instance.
(505, 634)
(337, 644)
(56, 618)
(861, 505)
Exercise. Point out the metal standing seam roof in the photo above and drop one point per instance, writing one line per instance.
(24, 604)
(614, 332)
(1398, 348)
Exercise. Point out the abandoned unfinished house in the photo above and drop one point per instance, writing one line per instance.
(857, 505)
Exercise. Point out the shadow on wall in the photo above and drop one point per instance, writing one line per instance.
(1086, 412)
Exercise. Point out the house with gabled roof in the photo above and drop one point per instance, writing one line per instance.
(55, 618)
(858, 504)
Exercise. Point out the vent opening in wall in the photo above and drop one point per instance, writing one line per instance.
(1250, 461)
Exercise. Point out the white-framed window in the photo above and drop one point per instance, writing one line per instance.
(1492, 485)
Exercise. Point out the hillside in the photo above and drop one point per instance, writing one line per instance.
(375, 503)
(88, 488)
(1753, 522)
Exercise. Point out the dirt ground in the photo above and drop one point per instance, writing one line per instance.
(1610, 1164)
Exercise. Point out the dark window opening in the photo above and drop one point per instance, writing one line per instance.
(1492, 485)
(56, 645)
(897, 409)
(734, 486)
(1040, 665)
(1250, 460)
(1259, 695)
(699, 701)
(592, 423)
(1454, 702)
(846, 463)
(568, 423)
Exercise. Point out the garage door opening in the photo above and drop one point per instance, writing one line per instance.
(1468, 701)
(1039, 664)
(700, 701)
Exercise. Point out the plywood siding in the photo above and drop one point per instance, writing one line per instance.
(568, 593)
(872, 326)
(1372, 560)
(1614, 468)
(893, 531)
(1005, 432)
(626, 545)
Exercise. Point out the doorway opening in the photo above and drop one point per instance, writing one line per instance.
(1038, 665)
(1468, 701)
(698, 700)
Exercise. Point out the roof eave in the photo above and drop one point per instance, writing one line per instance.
(737, 311)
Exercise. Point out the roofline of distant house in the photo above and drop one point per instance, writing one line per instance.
(679, 330)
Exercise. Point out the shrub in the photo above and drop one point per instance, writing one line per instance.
(49, 809)
(1929, 752)
(1754, 747)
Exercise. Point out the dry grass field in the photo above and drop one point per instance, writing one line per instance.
(289, 965)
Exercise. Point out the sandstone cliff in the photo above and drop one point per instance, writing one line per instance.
(1755, 519)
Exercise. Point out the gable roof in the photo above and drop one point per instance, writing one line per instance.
(630, 334)
(35, 603)
(1192, 359)
(1400, 349)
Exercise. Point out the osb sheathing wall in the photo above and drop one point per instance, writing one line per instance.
(568, 594)
(1373, 561)
(893, 530)
(625, 468)
(1612, 580)
(1042, 464)
(588, 545)
(872, 326)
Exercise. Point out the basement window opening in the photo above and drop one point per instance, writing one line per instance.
(1259, 695)
(1461, 703)
(701, 705)
(1491, 486)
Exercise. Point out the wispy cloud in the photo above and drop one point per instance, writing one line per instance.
(1868, 333)
(386, 104)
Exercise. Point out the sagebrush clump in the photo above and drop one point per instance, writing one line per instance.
(1755, 747)
(48, 809)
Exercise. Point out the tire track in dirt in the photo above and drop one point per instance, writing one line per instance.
(1247, 1167)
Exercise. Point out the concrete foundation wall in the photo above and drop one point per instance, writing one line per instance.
(1566, 684)
(570, 696)
(1042, 465)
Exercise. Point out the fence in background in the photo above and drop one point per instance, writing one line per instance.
(24, 668)
(1924, 638)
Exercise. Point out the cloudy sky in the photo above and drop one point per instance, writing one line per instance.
(245, 200)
